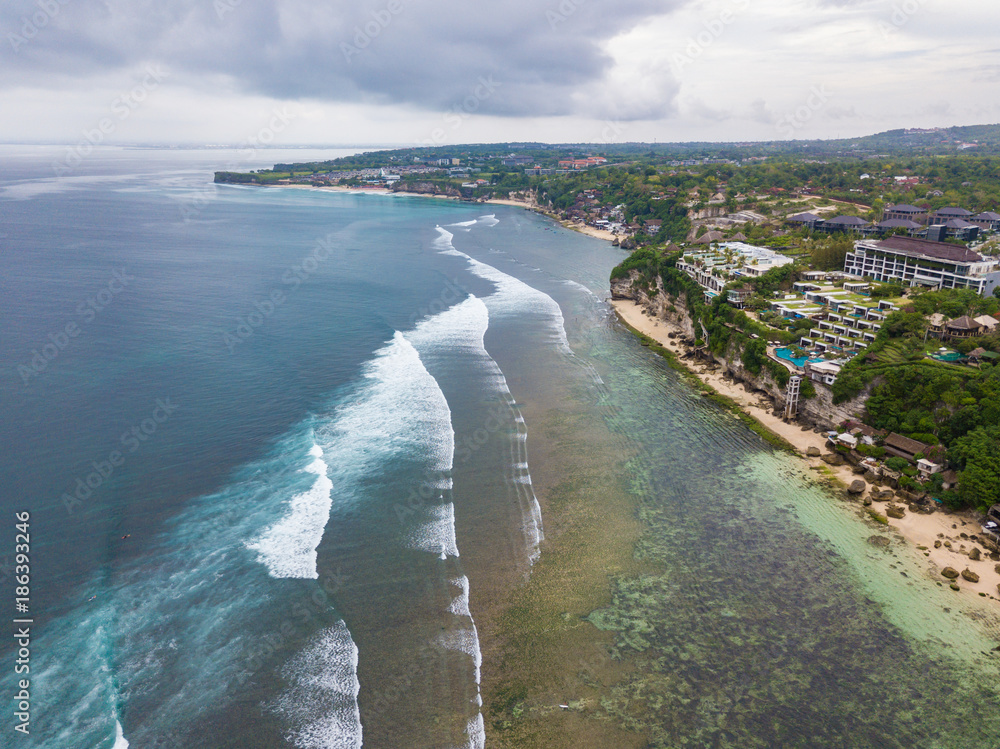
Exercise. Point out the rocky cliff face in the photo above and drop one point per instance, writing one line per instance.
(656, 300)
(819, 411)
(427, 188)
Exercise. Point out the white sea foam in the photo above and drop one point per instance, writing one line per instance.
(578, 285)
(488, 220)
(399, 410)
(120, 741)
(464, 326)
(476, 731)
(465, 224)
(443, 240)
(436, 532)
(460, 605)
(288, 548)
(513, 296)
(321, 701)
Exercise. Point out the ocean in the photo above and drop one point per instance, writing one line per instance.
(286, 450)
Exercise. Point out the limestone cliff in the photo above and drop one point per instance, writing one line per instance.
(426, 188)
(819, 411)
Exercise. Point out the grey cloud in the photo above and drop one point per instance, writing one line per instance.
(699, 108)
(543, 56)
(759, 112)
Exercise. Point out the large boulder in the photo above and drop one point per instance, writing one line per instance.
(859, 470)
(950, 572)
(813, 452)
(870, 476)
(833, 459)
(969, 575)
(857, 487)
(895, 511)
(974, 554)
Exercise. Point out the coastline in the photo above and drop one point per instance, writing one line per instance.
(920, 531)
(528, 205)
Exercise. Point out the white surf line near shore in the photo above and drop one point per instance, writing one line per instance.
(531, 511)
(461, 326)
(322, 699)
(513, 296)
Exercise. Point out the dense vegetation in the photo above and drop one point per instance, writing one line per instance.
(955, 406)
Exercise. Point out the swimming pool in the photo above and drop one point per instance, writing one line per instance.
(798, 361)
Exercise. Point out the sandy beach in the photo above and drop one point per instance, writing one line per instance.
(919, 529)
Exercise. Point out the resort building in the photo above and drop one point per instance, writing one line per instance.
(919, 262)
(988, 221)
(824, 372)
(714, 268)
(905, 212)
(844, 320)
(904, 447)
(842, 224)
(893, 225)
(944, 215)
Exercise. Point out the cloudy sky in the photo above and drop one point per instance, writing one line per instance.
(455, 71)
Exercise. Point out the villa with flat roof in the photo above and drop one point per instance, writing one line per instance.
(712, 269)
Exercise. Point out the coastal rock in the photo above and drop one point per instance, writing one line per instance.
(870, 476)
(969, 575)
(895, 511)
(997, 569)
(833, 459)
(857, 487)
(974, 554)
(879, 542)
(859, 470)
(950, 572)
(937, 545)
(813, 452)
(867, 501)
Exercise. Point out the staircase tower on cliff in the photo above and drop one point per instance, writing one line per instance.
(792, 397)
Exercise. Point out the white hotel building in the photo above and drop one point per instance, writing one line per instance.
(918, 262)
